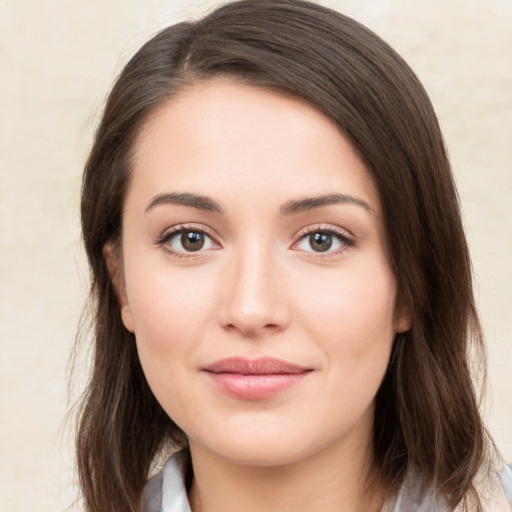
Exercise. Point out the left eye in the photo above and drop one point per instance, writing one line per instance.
(322, 241)
(189, 240)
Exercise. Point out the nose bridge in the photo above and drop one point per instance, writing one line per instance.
(252, 298)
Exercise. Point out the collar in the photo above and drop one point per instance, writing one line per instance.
(166, 492)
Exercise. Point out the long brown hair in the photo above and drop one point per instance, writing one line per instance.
(426, 417)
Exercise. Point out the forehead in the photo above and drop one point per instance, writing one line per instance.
(221, 133)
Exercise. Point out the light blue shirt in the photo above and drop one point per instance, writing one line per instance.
(166, 493)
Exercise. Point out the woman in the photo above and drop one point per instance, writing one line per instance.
(281, 279)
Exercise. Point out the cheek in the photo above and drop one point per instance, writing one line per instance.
(352, 320)
(165, 301)
(170, 312)
(358, 302)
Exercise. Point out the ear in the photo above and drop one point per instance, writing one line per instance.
(112, 256)
(403, 318)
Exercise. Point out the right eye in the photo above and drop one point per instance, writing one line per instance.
(182, 241)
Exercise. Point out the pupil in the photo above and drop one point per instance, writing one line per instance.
(320, 242)
(192, 240)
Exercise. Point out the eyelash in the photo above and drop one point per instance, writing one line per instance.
(342, 236)
(167, 236)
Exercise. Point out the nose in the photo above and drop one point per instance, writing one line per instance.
(252, 293)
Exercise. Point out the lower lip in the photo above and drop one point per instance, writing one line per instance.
(255, 387)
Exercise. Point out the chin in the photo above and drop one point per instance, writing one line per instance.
(266, 455)
(259, 447)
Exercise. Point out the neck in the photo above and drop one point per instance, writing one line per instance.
(328, 481)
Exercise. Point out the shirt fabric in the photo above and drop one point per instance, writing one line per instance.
(166, 493)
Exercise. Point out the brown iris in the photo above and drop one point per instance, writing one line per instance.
(192, 240)
(320, 242)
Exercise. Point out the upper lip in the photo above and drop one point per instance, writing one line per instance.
(259, 366)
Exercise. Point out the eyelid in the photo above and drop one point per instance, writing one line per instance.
(172, 231)
(345, 237)
(313, 228)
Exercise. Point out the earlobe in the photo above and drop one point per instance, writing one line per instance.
(403, 325)
(403, 320)
(114, 265)
(126, 317)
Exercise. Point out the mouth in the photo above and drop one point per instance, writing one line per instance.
(254, 379)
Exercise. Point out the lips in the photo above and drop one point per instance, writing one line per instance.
(254, 379)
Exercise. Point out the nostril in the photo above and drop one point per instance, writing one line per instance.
(254, 325)
(250, 300)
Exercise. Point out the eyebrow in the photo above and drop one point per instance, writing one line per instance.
(292, 207)
(185, 199)
(311, 203)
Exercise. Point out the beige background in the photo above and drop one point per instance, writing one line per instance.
(57, 61)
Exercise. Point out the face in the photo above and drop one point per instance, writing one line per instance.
(255, 275)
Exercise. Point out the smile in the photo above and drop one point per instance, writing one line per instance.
(254, 379)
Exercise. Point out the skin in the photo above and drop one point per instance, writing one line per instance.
(258, 287)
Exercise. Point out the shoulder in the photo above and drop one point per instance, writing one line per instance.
(166, 491)
(152, 497)
(493, 486)
(506, 481)
(497, 495)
